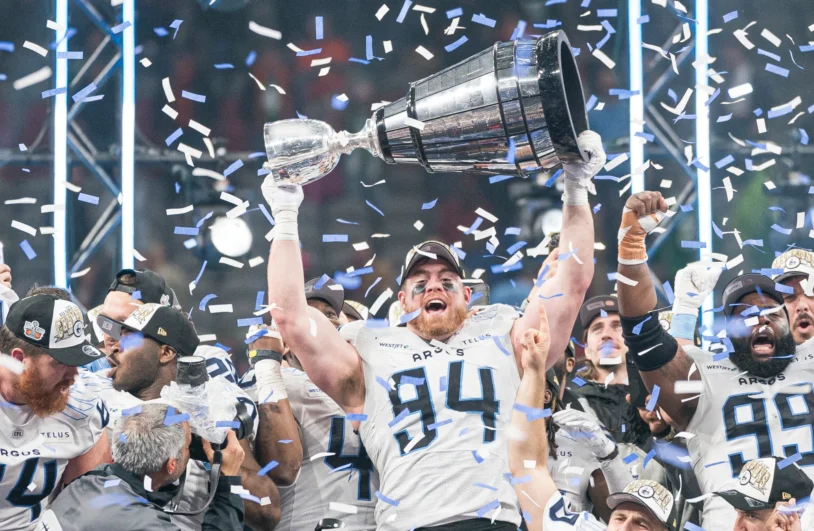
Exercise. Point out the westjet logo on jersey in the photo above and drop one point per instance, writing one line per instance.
(397, 346)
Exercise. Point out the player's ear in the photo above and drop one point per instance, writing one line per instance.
(166, 354)
(467, 293)
(402, 296)
(171, 466)
(570, 363)
(18, 354)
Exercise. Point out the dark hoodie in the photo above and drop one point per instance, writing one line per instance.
(110, 497)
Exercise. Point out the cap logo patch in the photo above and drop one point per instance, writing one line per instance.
(786, 496)
(69, 324)
(32, 330)
(91, 351)
(757, 475)
(165, 300)
(595, 305)
(161, 331)
(142, 315)
(646, 491)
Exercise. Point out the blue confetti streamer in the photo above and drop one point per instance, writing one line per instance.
(232, 424)
(321, 282)
(442, 384)
(381, 381)
(654, 397)
(258, 301)
(28, 250)
(732, 15)
(516, 247)
(491, 506)
(249, 321)
(187, 231)
(668, 291)
(497, 178)
(774, 69)
(384, 498)
(406, 318)
(251, 58)
(362, 271)
(404, 10)
(436, 425)
(483, 486)
(205, 300)
(482, 19)
(463, 39)
(690, 244)
(306, 53)
(200, 98)
(330, 238)
(233, 167)
(532, 413)
(356, 417)
(120, 27)
(131, 411)
(644, 19)
(606, 13)
(265, 212)
(729, 159)
(478, 459)
(398, 418)
(630, 458)
(519, 30)
(319, 28)
(409, 380)
(222, 347)
(224, 66)
(176, 24)
(6, 46)
(768, 54)
(53, 92)
(648, 457)
(84, 92)
(579, 382)
(452, 13)
(371, 205)
(161, 32)
(789, 460)
(638, 328)
(372, 285)
(268, 468)
(170, 140)
(777, 228)
(357, 60)
(369, 47)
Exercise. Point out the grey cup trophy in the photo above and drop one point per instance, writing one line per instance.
(515, 108)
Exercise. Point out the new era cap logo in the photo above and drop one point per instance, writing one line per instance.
(161, 331)
(33, 330)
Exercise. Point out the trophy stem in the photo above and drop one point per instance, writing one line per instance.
(345, 142)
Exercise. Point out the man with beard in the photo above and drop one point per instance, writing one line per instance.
(324, 462)
(144, 358)
(758, 386)
(429, 393)
(50, 432)
(795, 267)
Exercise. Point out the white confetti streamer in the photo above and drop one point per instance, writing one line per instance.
(33, 78)
(426, 54)
(36, 48)
(264, 31)
(168, 90)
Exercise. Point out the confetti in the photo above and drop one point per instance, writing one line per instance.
(35, 48)
(264, 31)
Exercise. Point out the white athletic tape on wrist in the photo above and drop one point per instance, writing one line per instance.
(270, 387)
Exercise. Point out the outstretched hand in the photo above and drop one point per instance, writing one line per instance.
(642, 213)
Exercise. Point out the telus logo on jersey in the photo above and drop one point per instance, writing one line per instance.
(57, 436)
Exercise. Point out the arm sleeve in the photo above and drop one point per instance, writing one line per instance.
(225, 513)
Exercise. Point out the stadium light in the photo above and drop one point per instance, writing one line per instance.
(703, 186)
(636, 101)
(61, 150)
(128, 133)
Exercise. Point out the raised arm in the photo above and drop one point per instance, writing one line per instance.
(660, 360)
(277, 421)
(562, 295)
(331, 363)
(528, 446)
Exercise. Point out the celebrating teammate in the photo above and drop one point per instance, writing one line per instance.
(431, 391)
(51, 431)
(795, 267)
(758, 386)
(323, 468)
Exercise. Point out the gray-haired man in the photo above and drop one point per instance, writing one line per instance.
(150, 452)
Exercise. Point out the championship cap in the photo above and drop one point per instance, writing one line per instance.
(744, 285)
(794, 263)
(163, 324)
(55, 326)
(151, 287)
(433, 250)
(762, 483)
(327, 290)
(356, 310)
(650, 495)
(593, 308)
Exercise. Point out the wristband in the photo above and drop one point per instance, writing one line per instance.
(648, 343)
(682, 326)
(611, 456)
(286, 226)
(260, 354)
(575, 194)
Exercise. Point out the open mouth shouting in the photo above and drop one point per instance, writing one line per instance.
(435, 306)
(763, 342)
(804, 324)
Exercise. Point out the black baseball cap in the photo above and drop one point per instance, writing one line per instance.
(429, 250)
(594, 306)
(762, 483)
(744, 285)
(151, 286)
(651, 495)
(356, 310)
(329, 291)
(165, 325)
(55, 326)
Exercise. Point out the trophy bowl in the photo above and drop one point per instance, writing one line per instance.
(514, 108)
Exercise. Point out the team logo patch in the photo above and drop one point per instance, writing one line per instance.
(32, 330)
(17, 433)
(91, 351)
(646, 491)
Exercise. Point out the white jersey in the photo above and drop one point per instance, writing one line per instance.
(34, 452)
(437, 418)
(197, 473)
(343, 474)
(557, 517)
(571, 472)
(741, 417)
